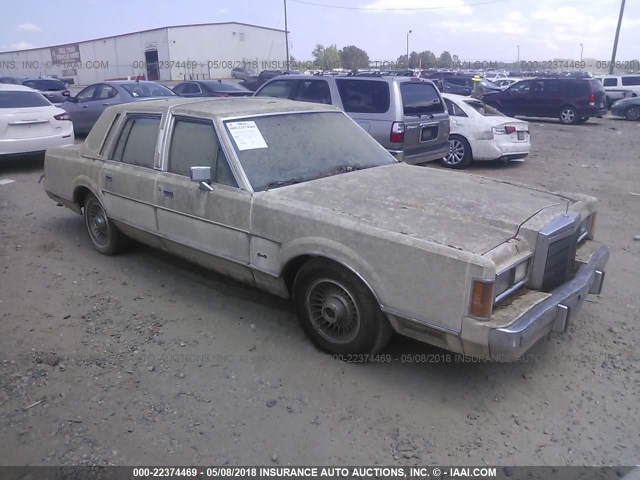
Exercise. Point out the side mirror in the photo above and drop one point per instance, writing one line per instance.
(202, 175)
(66, 93)
(72, 99)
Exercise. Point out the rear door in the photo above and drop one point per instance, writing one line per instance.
(425, 118)
(128, 176)
(368, 103)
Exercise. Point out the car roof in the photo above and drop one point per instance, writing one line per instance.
(10, 87)
(223, 106)
(386, 78)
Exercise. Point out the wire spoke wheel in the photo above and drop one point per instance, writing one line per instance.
(98, 224)
(333, 311)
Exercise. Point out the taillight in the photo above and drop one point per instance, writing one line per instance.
(592, 98)
(397, 132)
(62, 116)
(507, 129)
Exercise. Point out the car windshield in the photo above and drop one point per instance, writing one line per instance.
(145, 90)
(45, 85)
(483, 108)
(279, 150)
(18, 99)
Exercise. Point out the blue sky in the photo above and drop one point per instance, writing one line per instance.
(471, 29)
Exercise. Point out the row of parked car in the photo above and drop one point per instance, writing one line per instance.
(406, 115)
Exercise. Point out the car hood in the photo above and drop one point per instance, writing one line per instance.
(463, 211)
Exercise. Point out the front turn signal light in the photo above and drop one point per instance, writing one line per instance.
(482, 296)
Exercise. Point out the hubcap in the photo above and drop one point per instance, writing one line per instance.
(568, 115)
(98, 224)
(333, 311)
(456, 152)
(633, 113)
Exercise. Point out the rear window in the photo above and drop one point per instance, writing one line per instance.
(630, 81)
(483, 109)
(420, 98)
(364, 96)
(144, 90)
(22, 100)
(45, 85)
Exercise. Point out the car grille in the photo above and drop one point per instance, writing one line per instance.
(555, 253)
(559, 259)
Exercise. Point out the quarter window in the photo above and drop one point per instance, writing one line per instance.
(137, 142)
(454, 110)
(610, 82)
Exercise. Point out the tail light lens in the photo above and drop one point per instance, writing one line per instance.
(482, 296)
(397, 132)
(506, 130)
(62, 116)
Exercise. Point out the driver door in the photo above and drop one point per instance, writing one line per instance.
(208, 227)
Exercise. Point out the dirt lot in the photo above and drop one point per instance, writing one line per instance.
(161, 362)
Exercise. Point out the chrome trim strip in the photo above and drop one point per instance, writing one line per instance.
(409, 318)
(511, 290)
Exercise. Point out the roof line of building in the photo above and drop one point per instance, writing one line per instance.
(144, 31)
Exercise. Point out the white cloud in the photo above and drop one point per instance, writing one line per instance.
(17, 46)
(28, 27)
(417, 6)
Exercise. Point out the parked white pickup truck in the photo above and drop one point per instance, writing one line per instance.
(296, 199)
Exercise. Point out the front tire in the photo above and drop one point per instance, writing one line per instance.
(632, 113)
(568, 115)
(337, 311)
(104, 235)
(460, 155)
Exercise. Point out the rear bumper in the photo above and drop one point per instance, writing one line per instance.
(10, 146)
(592, 111)
(553, 313)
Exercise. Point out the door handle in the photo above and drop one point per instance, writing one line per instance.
(108, 176)
(85, 106)
(167, 192)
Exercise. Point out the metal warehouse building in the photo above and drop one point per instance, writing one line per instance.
(208, 50)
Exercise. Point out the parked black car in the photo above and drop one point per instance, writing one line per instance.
(210, 88)
(253, 83)
(12, 80)
(53, 89)
(572, 100)
(628, 108)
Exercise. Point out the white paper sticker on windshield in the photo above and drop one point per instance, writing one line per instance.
(246, 135)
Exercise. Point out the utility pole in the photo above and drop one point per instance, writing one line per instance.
(408, 47)
(615, 42)
(518, 54)
(581, 51)
(286, 33)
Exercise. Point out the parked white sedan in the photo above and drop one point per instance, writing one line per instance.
(480, 132)
(30, 123)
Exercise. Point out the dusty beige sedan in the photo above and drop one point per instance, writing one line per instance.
(296, 199)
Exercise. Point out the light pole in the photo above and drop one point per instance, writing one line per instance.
(581, 51)
(408, 47)
(286, 33)
(518, 54)
(615, 41)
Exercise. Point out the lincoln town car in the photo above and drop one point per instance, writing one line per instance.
(296, 199)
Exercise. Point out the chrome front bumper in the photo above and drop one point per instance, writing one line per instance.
(553, 313)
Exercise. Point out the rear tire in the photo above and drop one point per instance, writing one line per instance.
(104, 235)
(337, 311)
(568, 115)
(632, 113)
(460, 155)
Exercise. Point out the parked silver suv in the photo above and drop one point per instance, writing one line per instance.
(406, 115)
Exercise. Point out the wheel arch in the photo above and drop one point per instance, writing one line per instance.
(81, 187)
(299, 252)
(466, 140)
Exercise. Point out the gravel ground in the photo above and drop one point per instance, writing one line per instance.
(145, 359)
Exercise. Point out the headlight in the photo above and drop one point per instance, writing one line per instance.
(511, 279)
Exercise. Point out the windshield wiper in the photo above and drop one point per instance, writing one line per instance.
(283, 183)
(337, 170)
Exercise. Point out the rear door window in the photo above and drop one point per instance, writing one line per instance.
(453, 109)
(364, 96)
(137, 142)
(610, 82)
(277, 88)
(420, 98)
(316, 91)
